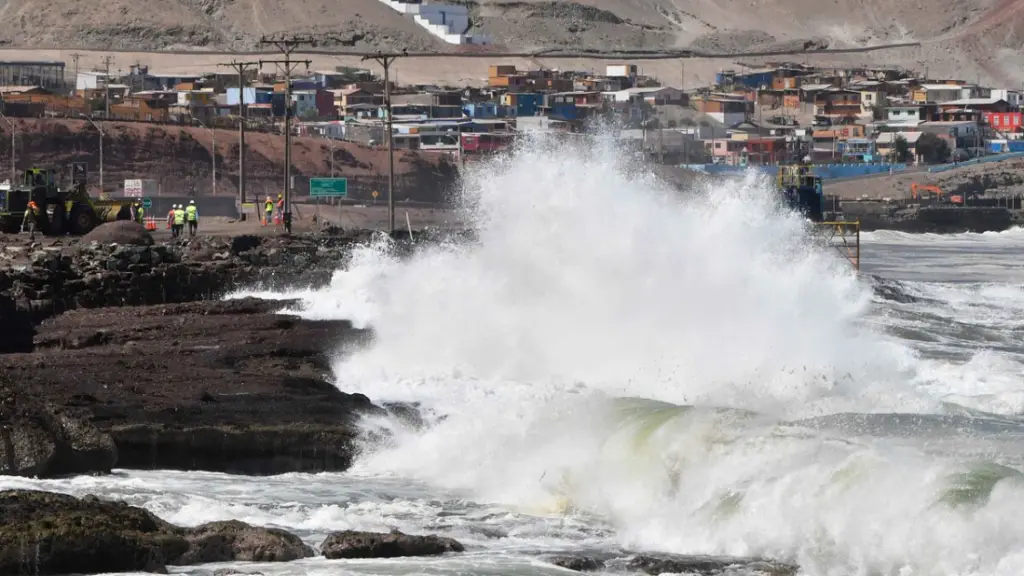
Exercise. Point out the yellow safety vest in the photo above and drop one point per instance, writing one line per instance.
(142, 214)
(191, 213)
(179, 216)
(270, 206)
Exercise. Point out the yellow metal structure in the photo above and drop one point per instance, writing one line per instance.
(843, 237)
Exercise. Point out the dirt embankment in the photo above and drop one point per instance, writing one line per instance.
(996, 179)
(181, 159)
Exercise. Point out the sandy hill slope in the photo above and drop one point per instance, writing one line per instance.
(975, 39)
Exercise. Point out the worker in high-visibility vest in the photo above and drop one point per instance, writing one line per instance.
(170, 218)
(280, 207)
(192, 217)
(30, 219)
(179, 221)
(139, 212)
(269, 209)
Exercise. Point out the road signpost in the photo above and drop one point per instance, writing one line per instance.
(327, 188)
(147, 203)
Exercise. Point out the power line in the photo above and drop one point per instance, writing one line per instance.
(556, 53)
(241, 67)
(287, 46)
(622, 54)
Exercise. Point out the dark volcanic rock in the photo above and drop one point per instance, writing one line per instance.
(238, 542)
(46, 533)
(224, 385)
(123, 232)
(577, 563)
(711, 565)
(16, 326)
(44, 441)
(353, 544)
(87, 536)
(134, 338)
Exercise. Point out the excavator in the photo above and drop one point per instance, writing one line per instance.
(916, 189)
(62, 211)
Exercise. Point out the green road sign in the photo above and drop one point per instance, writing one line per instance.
(328, 187)
(147, 202)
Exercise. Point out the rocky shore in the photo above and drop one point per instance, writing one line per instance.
(914, 219)
(124, 355)
(121, 353)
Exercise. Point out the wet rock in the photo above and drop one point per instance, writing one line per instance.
(17, 328)
(655, 564)
(577, 563)
(43, 441)
(235, 541)
(45, 533)
(354, 544)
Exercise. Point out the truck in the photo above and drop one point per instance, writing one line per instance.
(61, 210)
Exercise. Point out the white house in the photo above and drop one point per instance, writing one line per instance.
(653, 95)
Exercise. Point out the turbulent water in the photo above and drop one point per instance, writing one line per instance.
(611, 366)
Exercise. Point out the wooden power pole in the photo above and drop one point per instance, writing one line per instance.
(386, 60)
(241, 67)
(287, 46)
(107, 60)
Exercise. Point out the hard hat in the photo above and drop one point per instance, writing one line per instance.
(280, 195)
(191, 201)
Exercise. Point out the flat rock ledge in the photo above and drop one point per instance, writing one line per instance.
(394, 544)
(45, 533)
(661, 563)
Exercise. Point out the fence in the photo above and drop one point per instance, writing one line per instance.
(825, 171)
(982, 160)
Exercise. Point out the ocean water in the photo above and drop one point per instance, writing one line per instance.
(612, 366)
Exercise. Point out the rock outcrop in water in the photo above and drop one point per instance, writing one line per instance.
(354, 544)
(44, 441)
(135, 341)
(659, 563)
(45, 533)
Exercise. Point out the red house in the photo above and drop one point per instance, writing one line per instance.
(1004, 121)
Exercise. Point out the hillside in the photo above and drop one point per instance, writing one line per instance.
(179, 159)
(970, 38)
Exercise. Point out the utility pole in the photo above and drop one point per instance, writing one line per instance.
(287, 46)
(14, 133)
(240, 67)
(74, 58)
(386, 60)
(107, 60)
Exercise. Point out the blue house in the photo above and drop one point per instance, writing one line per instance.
(750, 79)
(522, 104)
(252, 96)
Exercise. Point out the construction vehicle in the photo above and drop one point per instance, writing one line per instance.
(915, 193)
(802, 191)
(61, 211)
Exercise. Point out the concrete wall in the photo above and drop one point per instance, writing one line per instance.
(982, 160)
(210, 206)
(448, 22)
